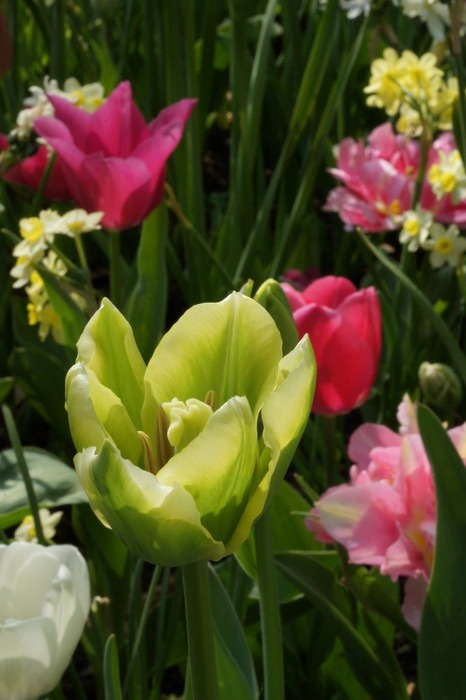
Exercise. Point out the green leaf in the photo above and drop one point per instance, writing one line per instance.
(6, 384)
(112, 671)
(322, 587)
(42, 378)
(287, 511)
(73, 319)
(146, 306)
(237, 678)
(442, 639)
(55, 484)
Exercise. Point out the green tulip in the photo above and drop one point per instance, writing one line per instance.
(180, 457)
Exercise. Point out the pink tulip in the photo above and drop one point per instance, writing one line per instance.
(344, 326)
(379, 180)
(113, 161)
(386, 515)
(29, 173)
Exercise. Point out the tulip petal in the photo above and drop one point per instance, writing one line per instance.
(107, 347)
(161, 524)
(117, 127)
(77, 120)
(232, 347)
(27, 661)
(345, 361)
(218, 467)
(284, 415)
(105, 388)
(328, 291)
(121, 188)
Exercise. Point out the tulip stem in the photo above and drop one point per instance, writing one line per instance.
(18, 450)
(200, 631)
(115, 267)
(271, 627)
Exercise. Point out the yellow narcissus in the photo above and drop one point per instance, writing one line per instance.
(180, 457)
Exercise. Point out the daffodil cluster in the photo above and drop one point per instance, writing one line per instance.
(414, 88)
(38, 233)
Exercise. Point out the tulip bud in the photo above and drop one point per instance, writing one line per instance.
(440, 385)
(271, 296)
(44, 604)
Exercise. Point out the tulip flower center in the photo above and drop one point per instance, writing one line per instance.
(178, 423)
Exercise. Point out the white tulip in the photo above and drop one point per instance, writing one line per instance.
(44, 602)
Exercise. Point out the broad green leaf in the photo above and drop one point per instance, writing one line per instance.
(146, 306)
(322, 587)
(237, 678)
(55, 484)
(442, 639)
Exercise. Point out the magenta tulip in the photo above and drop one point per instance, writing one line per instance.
(345, 329)
(113, 161)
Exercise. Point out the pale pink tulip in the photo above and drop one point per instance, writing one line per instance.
(386, 515)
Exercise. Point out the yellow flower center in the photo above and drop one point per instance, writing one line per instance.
(412, 226)
(443, 245)
(448, 182)
(395, 207)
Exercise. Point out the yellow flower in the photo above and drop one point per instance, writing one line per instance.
(384, 84)
(416, 225)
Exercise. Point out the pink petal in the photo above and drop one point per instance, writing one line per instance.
(328, 291)
(294, 297)
(366, 438)
(119, 187)
(413, 604)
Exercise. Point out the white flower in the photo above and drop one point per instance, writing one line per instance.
(446, 245)
(44, 602)
(26, 531)
(448, 176)
(416, 225)
(37, 233)
(79, 221)
(354, 8)
(433, 12)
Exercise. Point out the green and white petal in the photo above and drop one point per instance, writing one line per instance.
(286, 412)
(107, 347)
(232, 347)
(284, 416)
(159, 523)
(95, 412)
(218, 467)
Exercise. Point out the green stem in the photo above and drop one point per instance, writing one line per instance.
(18, 449)
(200, 631)
(330, 435)
(271, 628)
(115, 266)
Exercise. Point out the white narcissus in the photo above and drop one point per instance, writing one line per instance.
(44, 602)
(180, 457)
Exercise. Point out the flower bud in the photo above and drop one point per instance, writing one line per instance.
(440, 385)
(271, 296)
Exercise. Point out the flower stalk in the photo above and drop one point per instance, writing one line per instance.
(200, 631)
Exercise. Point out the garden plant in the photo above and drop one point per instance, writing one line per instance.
(232, 349)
